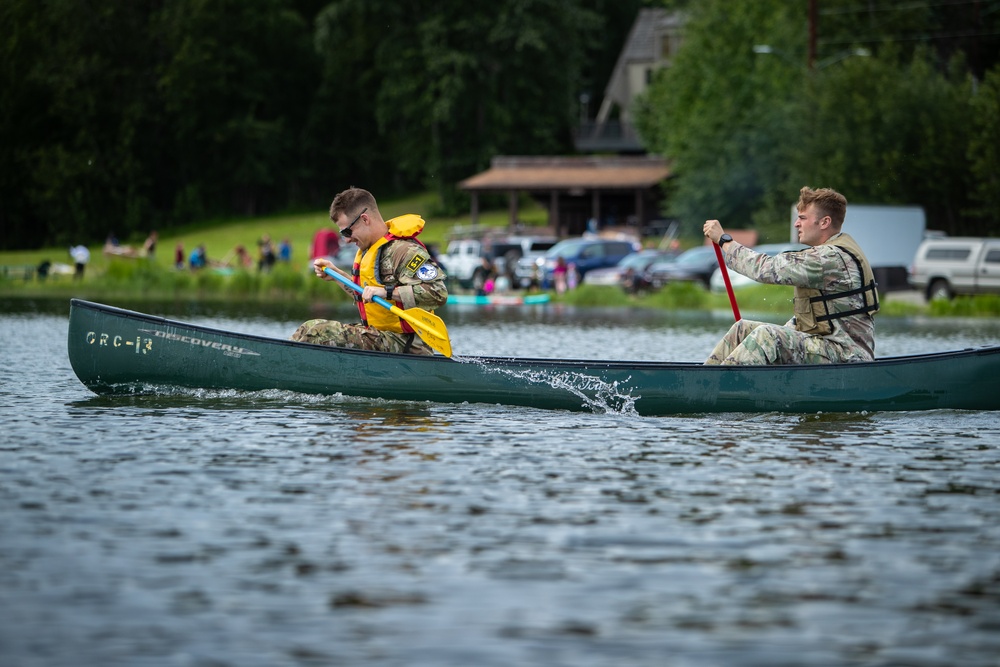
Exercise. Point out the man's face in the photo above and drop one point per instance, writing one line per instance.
(354, 229)
(811, 225)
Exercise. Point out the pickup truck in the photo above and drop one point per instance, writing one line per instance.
(945, 267)
(463, 256)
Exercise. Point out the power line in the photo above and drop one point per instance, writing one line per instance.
(922, 4)
(910, 38)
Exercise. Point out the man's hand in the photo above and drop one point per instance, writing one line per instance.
(372, 291)
(320, 263)
(713, 230)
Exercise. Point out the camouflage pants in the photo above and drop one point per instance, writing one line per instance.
(750, 343)
(359, 337)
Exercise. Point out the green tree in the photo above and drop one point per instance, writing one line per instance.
(887, 132)
(984, 153)
(718, 113)
(76, 116)
(746, 127)
(129, 116)
(236, 93)
(453, 86)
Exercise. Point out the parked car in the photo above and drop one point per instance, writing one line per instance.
(464, 256)
(528, 271)
(717, 284)
(507, 251)
(694, 265)
(633, 264)
(945, 267)
(585, 255)
(461, 259)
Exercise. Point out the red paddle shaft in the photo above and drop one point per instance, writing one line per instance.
(725, 278)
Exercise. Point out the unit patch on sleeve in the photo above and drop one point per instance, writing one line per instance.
(415, 263)
(427, 272)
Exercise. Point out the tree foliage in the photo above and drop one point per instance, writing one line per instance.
(123, 117)
(128, 116)
(445, 86)
(746, 128)
(984, 153)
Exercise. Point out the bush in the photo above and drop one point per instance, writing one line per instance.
(981, 305)
(243, 283)
(209, 281)
(679, 295)
(284, 279)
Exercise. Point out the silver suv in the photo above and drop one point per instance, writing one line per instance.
(944, 267)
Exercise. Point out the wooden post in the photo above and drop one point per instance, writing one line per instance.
(640, 210)
(554, 211)
(512, 208)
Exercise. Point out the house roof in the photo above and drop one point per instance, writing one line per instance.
(569, 173)
(641, 46)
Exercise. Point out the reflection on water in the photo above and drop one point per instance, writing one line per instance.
(273, 528)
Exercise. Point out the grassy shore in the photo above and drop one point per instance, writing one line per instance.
(109, 277)
(220, 237)
(156, 277)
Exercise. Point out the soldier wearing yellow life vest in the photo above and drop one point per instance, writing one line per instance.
(835, 298)
(390, 263)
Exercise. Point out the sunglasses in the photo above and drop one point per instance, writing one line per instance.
(346, 231)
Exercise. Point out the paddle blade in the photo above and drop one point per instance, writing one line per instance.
(428, 326)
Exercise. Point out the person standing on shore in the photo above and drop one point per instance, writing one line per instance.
(390, 263)
(80, 255)
(835, 297)
(149, 246)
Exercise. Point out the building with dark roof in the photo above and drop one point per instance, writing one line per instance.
(620, 188)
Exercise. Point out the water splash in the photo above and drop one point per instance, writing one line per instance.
(596, 393)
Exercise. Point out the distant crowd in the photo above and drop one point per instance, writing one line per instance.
(268, 254)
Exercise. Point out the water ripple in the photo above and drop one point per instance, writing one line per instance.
(274, 528)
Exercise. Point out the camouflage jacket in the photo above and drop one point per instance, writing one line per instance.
(823, 267)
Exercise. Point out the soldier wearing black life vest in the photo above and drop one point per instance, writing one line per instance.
(835, 296)
(390, 263)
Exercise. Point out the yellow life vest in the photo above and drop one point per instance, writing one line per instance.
(366, 272)
(815, 310)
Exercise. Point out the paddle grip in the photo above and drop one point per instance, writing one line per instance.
(356, 287)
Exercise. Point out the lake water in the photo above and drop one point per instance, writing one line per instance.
(271, 528)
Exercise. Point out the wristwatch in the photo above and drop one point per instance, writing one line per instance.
(724, 239)
(388, 292)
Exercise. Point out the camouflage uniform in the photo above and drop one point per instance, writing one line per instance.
(823, 267)
(398, 267)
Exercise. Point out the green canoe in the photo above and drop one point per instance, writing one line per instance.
(121, 351)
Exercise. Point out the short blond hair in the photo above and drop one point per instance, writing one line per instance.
(351, 201)
(828, 202)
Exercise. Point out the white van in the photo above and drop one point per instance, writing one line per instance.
(944, 267)
(888, 235)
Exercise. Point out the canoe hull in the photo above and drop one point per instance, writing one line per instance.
(120, 351)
